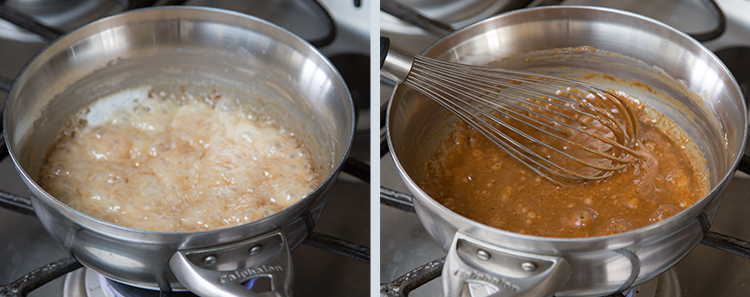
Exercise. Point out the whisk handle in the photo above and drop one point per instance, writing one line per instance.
(395, 61)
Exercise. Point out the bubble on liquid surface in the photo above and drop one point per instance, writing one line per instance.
(179, 163)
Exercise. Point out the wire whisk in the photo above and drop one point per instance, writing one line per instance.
(556, 127)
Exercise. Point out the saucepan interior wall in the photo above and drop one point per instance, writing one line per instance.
(255, 69)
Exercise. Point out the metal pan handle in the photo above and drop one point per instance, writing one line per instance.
(260, 266)
(500, 272)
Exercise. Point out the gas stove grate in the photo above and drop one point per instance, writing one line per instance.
(35, 279)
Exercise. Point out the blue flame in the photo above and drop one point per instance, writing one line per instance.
(250, 283)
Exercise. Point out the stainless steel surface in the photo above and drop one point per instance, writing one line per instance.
(282, 13)
(601, 265)
(523, 274)
(689, 16)
(222, 48)
(343, 277)
(397, 64)
(270, 250)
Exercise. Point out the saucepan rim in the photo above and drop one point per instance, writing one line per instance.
(87, 219)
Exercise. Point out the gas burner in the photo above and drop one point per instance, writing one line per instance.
(85, 282)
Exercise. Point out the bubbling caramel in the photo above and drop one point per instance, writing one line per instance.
(178, 164)
(473, 177)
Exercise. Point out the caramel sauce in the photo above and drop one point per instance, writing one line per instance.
(177, 164)
(473, 177)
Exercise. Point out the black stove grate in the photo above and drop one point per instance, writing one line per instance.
(42, 275)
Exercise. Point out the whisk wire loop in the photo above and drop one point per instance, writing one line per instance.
(509, 83)
(514, 148)
(488, 99)
(501, 140)
(514, 115)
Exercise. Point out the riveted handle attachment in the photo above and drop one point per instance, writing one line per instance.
(260, 266)
(489, 270)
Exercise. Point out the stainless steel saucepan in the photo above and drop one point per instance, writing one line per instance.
(196, 48)
(705, 101)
